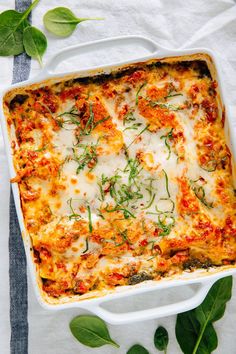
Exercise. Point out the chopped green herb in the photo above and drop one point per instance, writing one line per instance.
(132, 168)
(90, 122)
(134, 126)
(150, 202)
(138, 92)
(128, 118)
(164, 226)
(73, 214)
(141, 132)
(125, 211)
(200, 193)
(167, 183)
(74, 118)
(86, 245)
(210, 166)
(169, 106)
(124, 194)
(101, 192)
(167, 138)
(90, 219)
(42, 148)
(125, 238)
(172, 206)
(173, 95)
(87, 158)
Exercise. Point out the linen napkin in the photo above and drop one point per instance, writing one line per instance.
(17, 259)
(25, 328)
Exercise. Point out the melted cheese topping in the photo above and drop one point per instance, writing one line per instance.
(124, 178)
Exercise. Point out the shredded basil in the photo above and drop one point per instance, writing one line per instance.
(125, 238)
(167, 138)
(173, 95)
(167, 183)
(86, 245)
(138, 92)
(166, 228)
(128, 118)
(88, 156)
(134, 126)
(90, 219)
(141, 132)
(73, 214)
(73, 117)
(200, 193)
(169, 106)
(125, 211)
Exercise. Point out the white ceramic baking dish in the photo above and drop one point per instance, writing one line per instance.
(202, 278)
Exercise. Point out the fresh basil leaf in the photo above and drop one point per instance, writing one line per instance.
(12, 25)
(194, 329)
(35, 43)
(62, 22)
(137, 349)
(91, 331)
(161, 338)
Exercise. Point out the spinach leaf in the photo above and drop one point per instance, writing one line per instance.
(91, 331)
(12, 25)
(213, 307)
(194, 329)
(137, 349)
(187, 332)
(35, 43)
(62, 22)
(161, 339)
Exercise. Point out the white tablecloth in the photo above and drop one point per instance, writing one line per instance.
(172, 23)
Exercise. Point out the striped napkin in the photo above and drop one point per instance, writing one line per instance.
(25, 328)
(17, 259)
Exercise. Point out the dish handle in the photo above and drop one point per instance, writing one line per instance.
(153, 313)
(106, 43)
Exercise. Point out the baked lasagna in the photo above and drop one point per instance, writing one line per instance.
(123, 177)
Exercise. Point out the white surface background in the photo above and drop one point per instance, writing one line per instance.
(172, 23)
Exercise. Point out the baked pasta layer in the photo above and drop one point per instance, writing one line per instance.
(124, 177)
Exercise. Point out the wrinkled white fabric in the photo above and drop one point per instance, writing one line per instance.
(173, 24)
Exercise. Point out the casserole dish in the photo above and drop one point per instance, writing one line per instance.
(94, 301)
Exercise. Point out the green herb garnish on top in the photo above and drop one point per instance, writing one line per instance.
(87, 158)
(73, 117)
(167, 139)
(199, 191)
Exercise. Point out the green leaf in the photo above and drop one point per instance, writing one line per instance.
(213, 307)
(187, 331)
(137, 349)
(35, 43)
(12, 25)
(161, 338)
(62, 22)
(91, 331)
(11, 33)
(194, 329)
